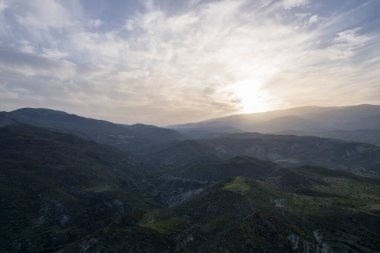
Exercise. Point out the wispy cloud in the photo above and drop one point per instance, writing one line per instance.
(197, 60)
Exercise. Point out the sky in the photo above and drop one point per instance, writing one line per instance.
(166, 62)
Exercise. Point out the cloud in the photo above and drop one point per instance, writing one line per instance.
(347, 43)
(95, 23)
(28, 63)
(3, 5)
(205, 59)
(313, 19)
(41, 14)
(289, 4)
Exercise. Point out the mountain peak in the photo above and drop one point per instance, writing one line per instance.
(28, 110)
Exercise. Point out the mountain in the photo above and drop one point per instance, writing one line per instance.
(318, 121)
(362, 135)
(135, 138)
(72, 184)
(290, 150)
(285, 150)
(56, 188)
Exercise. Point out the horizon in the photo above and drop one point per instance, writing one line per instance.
(190, 122)
(169, 62)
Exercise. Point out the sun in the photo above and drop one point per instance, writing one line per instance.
(252, 97)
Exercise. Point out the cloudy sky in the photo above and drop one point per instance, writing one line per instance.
(168, 61)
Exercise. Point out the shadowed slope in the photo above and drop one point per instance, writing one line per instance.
(56, 188)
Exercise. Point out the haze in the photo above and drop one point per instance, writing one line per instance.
(167, 62)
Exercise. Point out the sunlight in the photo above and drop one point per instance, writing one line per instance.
(252, 97)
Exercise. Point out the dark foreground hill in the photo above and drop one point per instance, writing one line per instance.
(56, 188)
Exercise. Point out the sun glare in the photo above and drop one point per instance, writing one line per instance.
(252, 97)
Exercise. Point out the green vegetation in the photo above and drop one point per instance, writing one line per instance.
(169, 226)
(238, 184)
(350, 188)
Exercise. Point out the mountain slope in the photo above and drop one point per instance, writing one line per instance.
(334, 212)
(220, 170)
(181, 153)
(56, 188)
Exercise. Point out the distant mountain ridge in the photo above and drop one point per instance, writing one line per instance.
(310, 120)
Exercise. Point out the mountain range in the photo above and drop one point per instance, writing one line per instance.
(353, 123)
(75, 184)
(134, 138)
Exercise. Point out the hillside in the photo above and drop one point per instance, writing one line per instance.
(219, 170)
(331, 212)
(56, 188)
